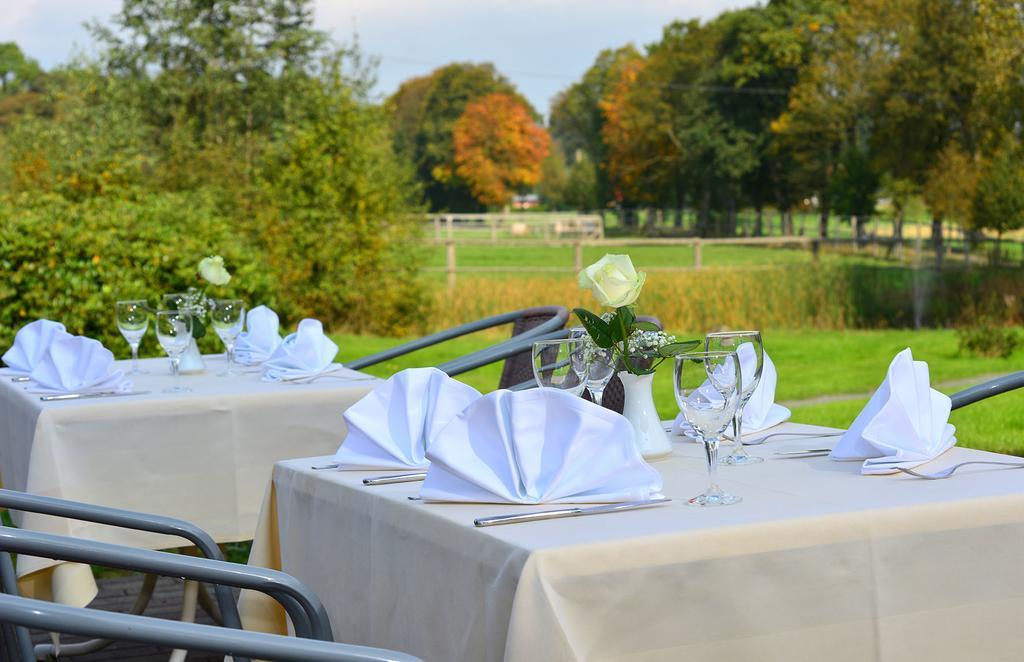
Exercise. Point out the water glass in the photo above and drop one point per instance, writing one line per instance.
(750, 350)
(707, 389)
(174, 300)
(132, 321)
(558, 364)
(600, 370)
(174, 331)
(228, 316)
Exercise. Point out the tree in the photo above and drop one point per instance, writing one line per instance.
(950, 187)
(554, 178)
(425, 111)
(999, 197)
(498, 148)
(581, 190)
(854, 186)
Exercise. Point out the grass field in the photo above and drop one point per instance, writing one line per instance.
(810, 365)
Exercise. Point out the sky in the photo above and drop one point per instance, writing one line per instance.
(542, 46)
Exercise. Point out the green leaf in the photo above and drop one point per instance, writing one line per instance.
(676, 348)
(646, 326)
(198, 328)
(599, 330)
(626, 314)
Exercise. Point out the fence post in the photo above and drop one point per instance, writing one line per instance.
(815, 249)
(450, 263)
(698, 257)
(450, 224)
(578, 255)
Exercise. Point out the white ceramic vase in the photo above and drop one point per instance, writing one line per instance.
(191, 361)
(648, 434)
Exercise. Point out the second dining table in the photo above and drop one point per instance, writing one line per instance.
(203, 456)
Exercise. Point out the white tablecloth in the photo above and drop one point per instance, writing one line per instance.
(818, 562)
(204, 456)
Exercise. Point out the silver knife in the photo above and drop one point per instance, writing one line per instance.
(22, 378)
(807, 453)
(575, 511)
(396, 478)
(82, 396)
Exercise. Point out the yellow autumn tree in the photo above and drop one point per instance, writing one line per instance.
(499, 148)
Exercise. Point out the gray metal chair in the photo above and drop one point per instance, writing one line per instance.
(307, 613)
(988, 389)
(527, 325)
(27, 613)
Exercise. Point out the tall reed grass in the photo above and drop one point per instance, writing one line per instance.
(817, 296)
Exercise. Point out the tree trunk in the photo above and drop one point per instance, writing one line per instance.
(823, 222)
(704, 217)
(897, 234)
(677, 216)
(937, 240)
(758, 222)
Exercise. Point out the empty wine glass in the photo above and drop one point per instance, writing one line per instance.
(227, 316)
(600, 370)
(174, 331)
(557, 364)
(750, 350)
(132, 322)
(707, 388)
(174, 300)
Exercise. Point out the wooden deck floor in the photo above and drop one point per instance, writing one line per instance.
(118, 594)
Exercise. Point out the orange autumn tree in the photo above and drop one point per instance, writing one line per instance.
(498, 148)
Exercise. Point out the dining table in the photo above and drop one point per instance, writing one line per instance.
(817, 562)
(204, 455)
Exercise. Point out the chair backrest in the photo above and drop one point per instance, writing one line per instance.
(987, 389)
(519, 367)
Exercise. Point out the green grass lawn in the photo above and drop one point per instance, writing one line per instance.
(810, 364)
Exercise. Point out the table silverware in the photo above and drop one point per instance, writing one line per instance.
(413, 477)
(326, 466)
(82, 396)
(575, 511)
(761, 440)
(947, 472)
(812, 452)
(21, 378)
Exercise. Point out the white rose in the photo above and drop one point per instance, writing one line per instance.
(613, 280)
(212, 270)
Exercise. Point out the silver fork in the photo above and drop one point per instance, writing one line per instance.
(761, 440)
(946, 473)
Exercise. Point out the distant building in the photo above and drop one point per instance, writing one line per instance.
(528, 201)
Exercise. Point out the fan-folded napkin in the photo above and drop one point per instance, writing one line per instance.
(904, 424)
(76, 364)
(393, 425)
(537, 446)
(30, 343)
(761, 411)
(261, 336)
(306, 353)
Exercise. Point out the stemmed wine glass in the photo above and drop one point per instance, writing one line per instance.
(750, 350)
(707, 388)
(174, 331)
(227, 316)
(600, 370)
(558, 364)
(132, 321)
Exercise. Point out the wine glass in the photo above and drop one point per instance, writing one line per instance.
(175, 300)
(227, 316)
(750, 350)
(600, 370)
(174, 331)
(558, 364)
(707, 388)
(132, 321)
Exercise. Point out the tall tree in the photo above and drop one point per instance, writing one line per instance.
(425, 112)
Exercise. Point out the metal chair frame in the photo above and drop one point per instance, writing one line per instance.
(497, 352)
(987, 389)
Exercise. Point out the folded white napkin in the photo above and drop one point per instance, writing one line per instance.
(30, 343)
(904, 424)
(76, 364)
(306, 353)
(393, 425)
(537, 446)
(761, 411)
(260, 338)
